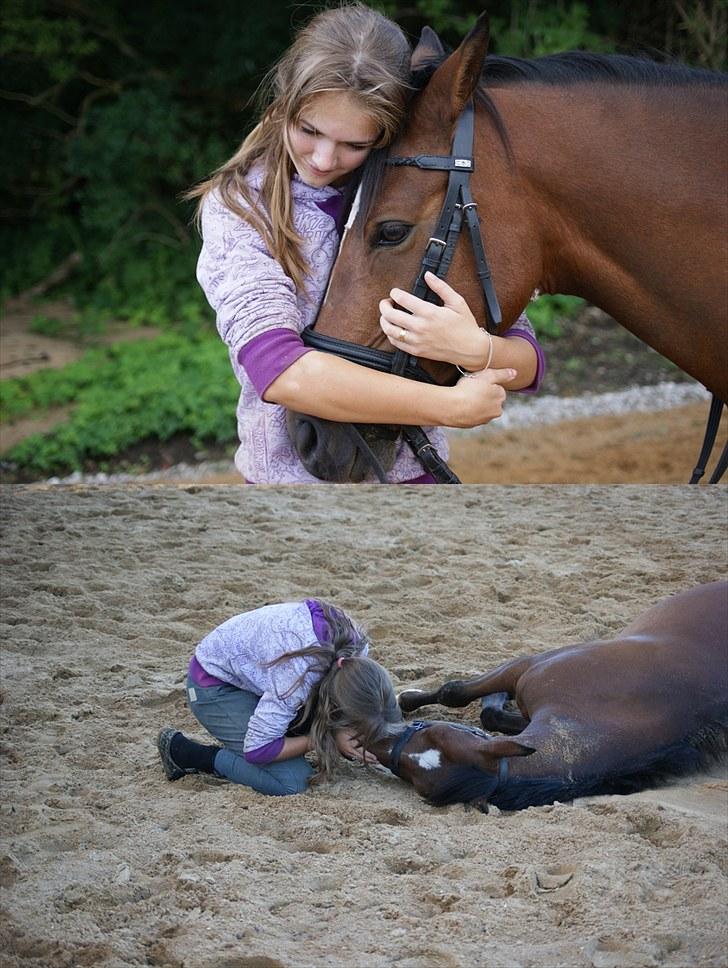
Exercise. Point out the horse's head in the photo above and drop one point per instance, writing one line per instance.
(449, 763)
(388, 237)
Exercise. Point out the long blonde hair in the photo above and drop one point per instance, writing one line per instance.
(353, 692)
(358, 696)
(350, 48)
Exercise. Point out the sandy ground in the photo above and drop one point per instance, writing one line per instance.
(658, 447)
(105, 863)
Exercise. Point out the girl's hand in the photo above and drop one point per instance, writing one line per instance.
(350, 747)
(448, 333)
(478, 398)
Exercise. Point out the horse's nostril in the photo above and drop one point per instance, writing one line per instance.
(306, 436)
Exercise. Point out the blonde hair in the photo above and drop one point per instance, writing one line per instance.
(357, 695)
(354, 692)
(350, 48)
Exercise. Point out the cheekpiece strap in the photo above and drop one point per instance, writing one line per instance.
(402, 741)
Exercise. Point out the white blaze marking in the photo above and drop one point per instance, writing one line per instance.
(353, 212)
(429, 760)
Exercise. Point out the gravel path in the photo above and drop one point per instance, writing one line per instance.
(529, 411)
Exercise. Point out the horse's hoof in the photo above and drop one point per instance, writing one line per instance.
(410, 699)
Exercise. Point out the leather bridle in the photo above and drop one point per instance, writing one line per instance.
(416, 726)
(458, 206)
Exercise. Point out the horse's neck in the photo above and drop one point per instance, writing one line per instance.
(624, 190)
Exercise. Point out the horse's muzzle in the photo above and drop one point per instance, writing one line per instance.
(329, 452)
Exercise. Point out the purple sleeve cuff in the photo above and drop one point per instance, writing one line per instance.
(265, 754)
(266, 356)
(540, 358)
(318, 620)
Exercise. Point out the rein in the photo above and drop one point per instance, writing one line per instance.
(711, 429)
(458, 205)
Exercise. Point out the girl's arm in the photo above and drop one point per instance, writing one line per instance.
(450, 333)
(346, 743)
(325, 386)
(258, 319)
(293, 746)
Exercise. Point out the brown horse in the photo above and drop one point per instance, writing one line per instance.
(611, 716)
(599, 176)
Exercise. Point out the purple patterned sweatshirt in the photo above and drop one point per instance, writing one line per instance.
(260, 315)
(239, 653)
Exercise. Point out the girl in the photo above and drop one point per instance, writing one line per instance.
(274, 684)
(269, 219)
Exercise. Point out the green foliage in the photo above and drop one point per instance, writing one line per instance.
(534, 29)
(47, 325)
(547, 312)
(445, 17)
(703, 27)
(111, 109)
(127, 393)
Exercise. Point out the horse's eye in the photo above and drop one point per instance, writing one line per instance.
(391, 233)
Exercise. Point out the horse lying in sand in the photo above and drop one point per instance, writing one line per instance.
(611, 716)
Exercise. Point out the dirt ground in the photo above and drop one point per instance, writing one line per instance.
(659, 447)
(106, 590)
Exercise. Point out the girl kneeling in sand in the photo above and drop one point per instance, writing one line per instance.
(271, 685)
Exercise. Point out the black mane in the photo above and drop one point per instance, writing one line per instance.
(581, 66)
(697, 752)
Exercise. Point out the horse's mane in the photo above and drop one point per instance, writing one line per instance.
(566, 69)
(467, 783)
(581, 66)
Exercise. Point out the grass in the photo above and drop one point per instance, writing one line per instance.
(122, 395)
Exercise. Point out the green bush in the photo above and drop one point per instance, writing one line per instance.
(123, 395)
(47, 325)
(547, 312)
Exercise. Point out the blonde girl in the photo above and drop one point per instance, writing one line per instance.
(270, 220)
(273, 684)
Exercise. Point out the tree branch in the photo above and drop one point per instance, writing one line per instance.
(55, 278)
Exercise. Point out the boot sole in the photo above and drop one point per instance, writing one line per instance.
(164, 741)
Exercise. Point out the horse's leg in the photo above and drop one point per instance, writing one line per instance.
(494, 716)
(459, 692)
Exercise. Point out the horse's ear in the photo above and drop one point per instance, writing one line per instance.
(429, 50)
(468, 63)
(500, 746)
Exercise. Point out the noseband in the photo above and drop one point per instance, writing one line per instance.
(437, 259)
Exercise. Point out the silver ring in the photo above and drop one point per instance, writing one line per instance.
(402, 335)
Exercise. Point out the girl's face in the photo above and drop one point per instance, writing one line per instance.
(331, 137)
